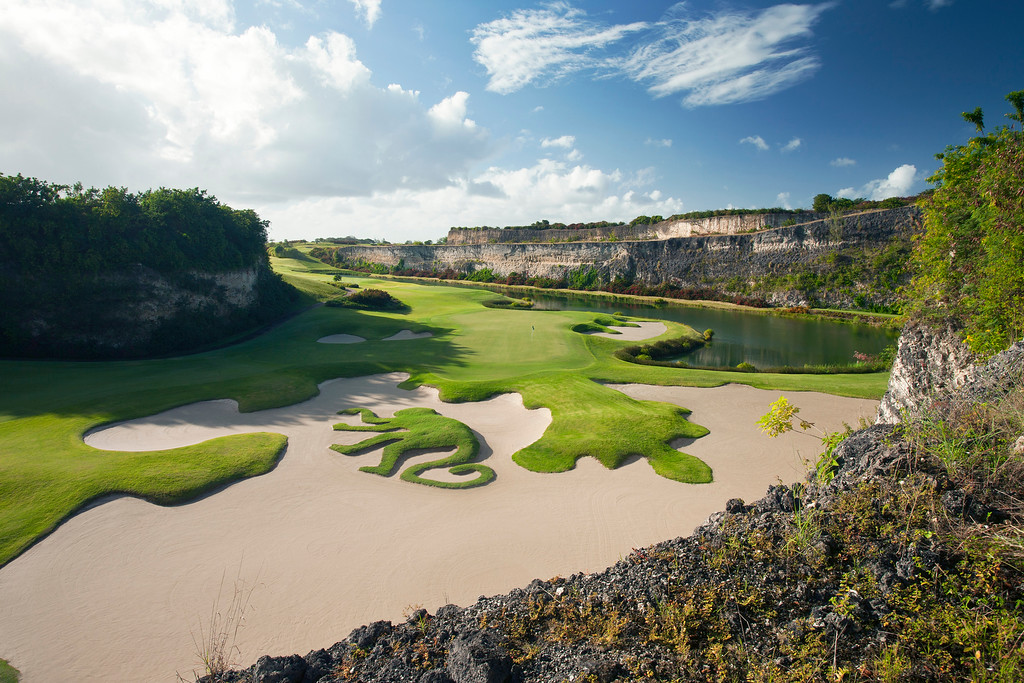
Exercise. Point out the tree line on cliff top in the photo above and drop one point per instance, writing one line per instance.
(46, 226)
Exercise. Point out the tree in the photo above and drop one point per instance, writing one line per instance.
(1016, 98)
(822, 203)
(976, 117)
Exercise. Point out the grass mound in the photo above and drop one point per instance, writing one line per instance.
(415, 429)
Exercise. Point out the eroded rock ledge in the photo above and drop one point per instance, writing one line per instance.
(759, 589)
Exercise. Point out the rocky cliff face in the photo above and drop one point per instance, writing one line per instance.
(139, 312)
(934, 364)
(701, 261)
(714, 225)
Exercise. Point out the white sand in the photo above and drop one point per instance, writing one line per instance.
(408, 334)
(113, 594)
(644, 331)
(341, 339)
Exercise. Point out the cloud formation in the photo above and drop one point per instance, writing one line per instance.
(792, 145)
(199, 98)
(549, 188)
(899, 183)
(565, 142)
(713, 59)
(731, 56)
(756, 141)
(842, 161)
(369, 10)
(546, 43)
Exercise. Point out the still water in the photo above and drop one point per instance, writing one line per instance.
(740, 336)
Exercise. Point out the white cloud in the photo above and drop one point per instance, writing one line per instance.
(334, 57)
(369, 10)
(251, 118)
(549, 42)
(899, 183)
(664, 142)
(842, 161)
(731, 56)
(298, 131)
(931, 4)
(792, 145)
(450, 113)
(566, 142)
(783, 199)
(756, 141)
(548, 189)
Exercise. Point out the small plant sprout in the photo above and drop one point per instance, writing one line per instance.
(780, 418)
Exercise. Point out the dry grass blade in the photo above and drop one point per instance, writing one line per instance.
(216, 643)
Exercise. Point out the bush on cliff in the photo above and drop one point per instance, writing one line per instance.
(969, 260)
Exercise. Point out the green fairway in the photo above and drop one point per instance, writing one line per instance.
(47, 472)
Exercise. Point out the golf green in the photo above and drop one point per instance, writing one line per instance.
(473, 352)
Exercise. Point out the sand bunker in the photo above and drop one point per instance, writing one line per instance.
(125, 584)
(341, 339)
(408, 334)
(644, 331)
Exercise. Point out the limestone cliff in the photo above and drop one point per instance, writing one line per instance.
(714, 225)
(718, 261)
(935, 363)
(137, 311)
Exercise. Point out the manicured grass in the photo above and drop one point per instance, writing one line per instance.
(47, 472)
(8, 674)
(417, 429)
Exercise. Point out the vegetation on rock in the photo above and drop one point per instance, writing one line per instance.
(969, 260)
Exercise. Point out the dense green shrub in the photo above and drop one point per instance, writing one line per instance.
(969, 261)
(369, 299)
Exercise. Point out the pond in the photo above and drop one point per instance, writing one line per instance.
(743, 336)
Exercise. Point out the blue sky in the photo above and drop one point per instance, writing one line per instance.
(397, 119)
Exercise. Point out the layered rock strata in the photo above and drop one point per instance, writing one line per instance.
(699, 261)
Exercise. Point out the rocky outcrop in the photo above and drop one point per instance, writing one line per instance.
(138, 311)
(933, 363)
(691, 227)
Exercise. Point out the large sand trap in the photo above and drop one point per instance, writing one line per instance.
(113, 594)
(644, 331)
